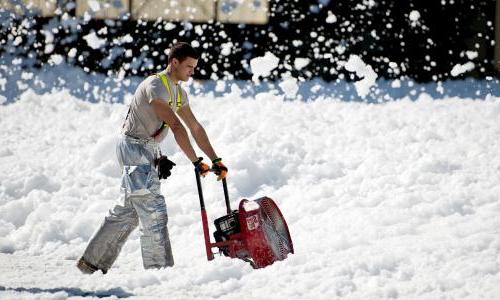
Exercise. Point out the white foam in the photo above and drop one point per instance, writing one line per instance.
(356, 65)
(462, 68)
(94, 41)
(392, 200)
(263, 65)
(300, 62)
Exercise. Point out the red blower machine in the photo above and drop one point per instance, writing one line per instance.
(256, 233)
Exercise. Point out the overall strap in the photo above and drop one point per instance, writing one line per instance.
(166, 83)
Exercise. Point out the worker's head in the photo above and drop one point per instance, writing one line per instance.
(182, 60)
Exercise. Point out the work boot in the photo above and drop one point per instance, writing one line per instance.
(86, 267)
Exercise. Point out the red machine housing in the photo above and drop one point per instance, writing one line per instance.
(256, 233)
(265, 232)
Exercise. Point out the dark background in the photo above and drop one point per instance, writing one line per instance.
(425, 52)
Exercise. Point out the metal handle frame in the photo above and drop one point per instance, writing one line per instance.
(204, 219)
(200, 192)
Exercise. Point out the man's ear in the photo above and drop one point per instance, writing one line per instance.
(175, 62)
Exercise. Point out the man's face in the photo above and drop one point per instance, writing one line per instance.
(184, 69)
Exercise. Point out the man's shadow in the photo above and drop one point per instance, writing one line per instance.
(117, 292)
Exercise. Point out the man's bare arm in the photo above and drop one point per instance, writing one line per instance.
(164, 112)
(198, 132)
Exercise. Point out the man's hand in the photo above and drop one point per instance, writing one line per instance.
(219, 169)
(201, 167)
(163, 166)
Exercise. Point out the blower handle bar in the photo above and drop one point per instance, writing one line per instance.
(200, 191)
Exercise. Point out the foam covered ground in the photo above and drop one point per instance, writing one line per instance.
(395, 200)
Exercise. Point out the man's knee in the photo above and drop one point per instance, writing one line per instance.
(123, 214)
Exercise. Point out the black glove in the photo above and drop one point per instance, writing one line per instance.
(219, 168)
(201, 167)
(163, 166)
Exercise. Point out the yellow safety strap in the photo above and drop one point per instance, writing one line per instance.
(166, 83)
(178, 105)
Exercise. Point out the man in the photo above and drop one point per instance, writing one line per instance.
(156, 105)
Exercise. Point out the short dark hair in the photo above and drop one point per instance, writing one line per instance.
(181, 51)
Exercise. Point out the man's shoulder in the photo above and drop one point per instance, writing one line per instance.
(153, 84)
(151, 80)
